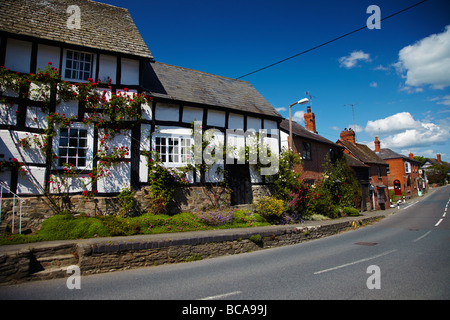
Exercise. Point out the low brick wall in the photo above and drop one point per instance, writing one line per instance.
(34, 262)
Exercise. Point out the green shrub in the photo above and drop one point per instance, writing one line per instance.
(66, 227)
(270, 208)
(351, 211)
(256, 238)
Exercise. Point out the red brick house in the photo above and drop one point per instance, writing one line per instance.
(404, 172)
(371, 171)
(312, 147)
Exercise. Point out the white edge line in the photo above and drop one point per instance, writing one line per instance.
(420, 238)
(355, 262)
(410, 205)
(222, 295)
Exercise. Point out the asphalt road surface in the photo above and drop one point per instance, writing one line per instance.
(405, 256)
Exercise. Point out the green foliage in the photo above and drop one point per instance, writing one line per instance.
(66, 226)
(256, 238)
(270, 208)
(164, 181)
(127, 201)
(438, 173)
(351, 211)
(340, 181)
(289, 175)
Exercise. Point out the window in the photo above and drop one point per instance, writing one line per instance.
(173, 149)
(407, 167)
(73, 147)
(306, 151)
(379, 172)
(78, 65)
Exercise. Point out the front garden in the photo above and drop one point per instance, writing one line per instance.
(293, 201)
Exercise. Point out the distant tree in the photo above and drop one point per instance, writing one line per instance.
(437, 173)
(421, 159)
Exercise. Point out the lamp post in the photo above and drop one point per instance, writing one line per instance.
(303, 101)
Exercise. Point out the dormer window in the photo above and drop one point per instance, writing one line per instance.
(78, 65)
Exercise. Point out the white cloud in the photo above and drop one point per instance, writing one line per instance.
(445, 100)
(352, 60)
(280, 109)
(374, 84)
(427, 62)
(356, 128)
(299, 116)
(402, 131)
(395, 123)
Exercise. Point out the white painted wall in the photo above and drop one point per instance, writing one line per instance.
(191, 114)
(24, 184)
(130, 72)
(253, 123)
(107, 68)
(119, 179)
(236, 121)
(18, 55)
(216, 118)
(46, 54)
(167, 112)
(8, 114)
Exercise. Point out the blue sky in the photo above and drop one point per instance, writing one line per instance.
(398, 77)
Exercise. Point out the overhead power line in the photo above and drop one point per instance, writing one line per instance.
(330, 41)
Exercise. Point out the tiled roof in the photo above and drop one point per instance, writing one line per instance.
(363, 153)
(387, 154)
(103, 26)
(194, 86)
(299, 131)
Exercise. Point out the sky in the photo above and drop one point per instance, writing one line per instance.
(397, 77)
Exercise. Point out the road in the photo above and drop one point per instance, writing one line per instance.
(405, 256)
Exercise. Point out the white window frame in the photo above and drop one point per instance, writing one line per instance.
(174, 150)
(65, 65)
(88, 149)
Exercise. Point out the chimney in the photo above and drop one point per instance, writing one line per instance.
(310, 120)
(377, 145)
(439, 158)
(411, 155)
(348, 135)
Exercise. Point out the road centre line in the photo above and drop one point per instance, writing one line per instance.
(421, 237)
(225, 295)
(355, 262)
(438, 222)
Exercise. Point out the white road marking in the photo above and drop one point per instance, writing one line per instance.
(355, 262)
(438, 222)
(420, 238)
(410, 205)
(225, 295)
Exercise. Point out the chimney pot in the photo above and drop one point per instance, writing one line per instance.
(377, 145)
(310, 120)
(439, 158)
(348, 135)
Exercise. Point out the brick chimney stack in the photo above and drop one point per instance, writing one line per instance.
(439, 158)
(411, 155)
(348, 135)
(377, 145)
(310, 120)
